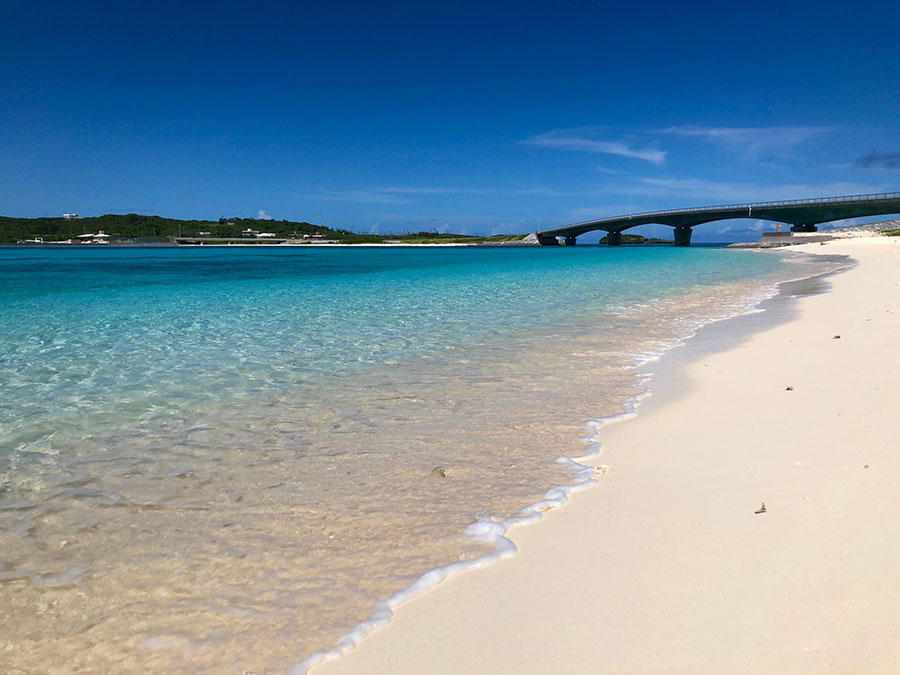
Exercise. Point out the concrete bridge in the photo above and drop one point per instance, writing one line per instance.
(802, 214)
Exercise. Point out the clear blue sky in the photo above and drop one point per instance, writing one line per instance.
(470, 117)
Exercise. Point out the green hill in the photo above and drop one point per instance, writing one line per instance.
(638, 239)
(134, 226)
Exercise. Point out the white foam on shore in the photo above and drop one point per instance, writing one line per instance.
(487, 531)
(494, 533)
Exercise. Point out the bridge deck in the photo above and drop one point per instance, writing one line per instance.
(804, 214)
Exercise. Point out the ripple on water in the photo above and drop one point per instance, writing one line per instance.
(216, 480)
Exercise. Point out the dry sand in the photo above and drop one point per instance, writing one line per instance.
(664, 567)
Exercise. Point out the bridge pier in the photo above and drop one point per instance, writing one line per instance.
(570, 241)
(683, 235)
(547, 240)
(804, 228)
(613, 238)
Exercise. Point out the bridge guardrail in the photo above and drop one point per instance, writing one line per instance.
(751, 205)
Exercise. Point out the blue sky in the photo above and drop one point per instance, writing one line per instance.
(466, 117)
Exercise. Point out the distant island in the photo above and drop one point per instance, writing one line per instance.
(638, 239)
(139, 229)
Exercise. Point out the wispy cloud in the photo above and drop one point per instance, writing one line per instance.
(541, 192)
(587, 140)
(427, 190)
(757, 143)
(460, 223)
(262, 215)
(888, 160)
(583, 213)
(745, 227)
(418, 190)
(651, 194)
(699, 192)
(403, 194)
(359, 196)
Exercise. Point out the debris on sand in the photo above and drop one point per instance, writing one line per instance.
(761, 509)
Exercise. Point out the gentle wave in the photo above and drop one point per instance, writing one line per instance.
(585, 476)
(259, 451)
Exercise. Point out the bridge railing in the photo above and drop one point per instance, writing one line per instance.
(753, 205)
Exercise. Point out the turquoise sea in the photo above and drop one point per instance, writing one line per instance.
(222, 459)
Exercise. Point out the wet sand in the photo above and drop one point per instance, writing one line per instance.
(666, 566)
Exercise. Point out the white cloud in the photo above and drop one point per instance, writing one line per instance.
(746, 228)
(542, 192)
(402, 194)
(586, 140)
(460, 223)
(361, 196)
(262, 215)
(653, 194)
(585, 213)
(759, 143)
(700, 192)
(426, 190)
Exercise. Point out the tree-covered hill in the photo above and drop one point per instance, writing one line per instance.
(638, 239)
(134, 226)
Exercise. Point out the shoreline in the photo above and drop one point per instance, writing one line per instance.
(491, 438)
(578, 616)
(585, 474)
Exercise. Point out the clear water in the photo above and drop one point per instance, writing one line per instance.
(219, 459)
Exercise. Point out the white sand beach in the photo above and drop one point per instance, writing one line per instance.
(665, 567)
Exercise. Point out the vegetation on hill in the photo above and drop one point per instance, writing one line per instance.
(638, 239)
(891, 233)
(134, 226)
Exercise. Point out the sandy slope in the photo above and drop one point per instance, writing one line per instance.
(664, 567)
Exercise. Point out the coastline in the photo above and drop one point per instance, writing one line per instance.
(666, 567)
(326, 516)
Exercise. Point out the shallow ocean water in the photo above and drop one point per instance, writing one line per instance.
(220, 459)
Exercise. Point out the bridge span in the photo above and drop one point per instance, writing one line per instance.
(802, 214)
